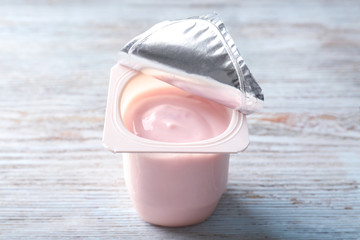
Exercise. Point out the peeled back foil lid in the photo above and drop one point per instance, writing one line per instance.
(199, 56)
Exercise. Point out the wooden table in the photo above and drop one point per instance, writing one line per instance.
(299, 178)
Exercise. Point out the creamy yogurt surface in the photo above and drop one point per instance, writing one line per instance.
(170, 114)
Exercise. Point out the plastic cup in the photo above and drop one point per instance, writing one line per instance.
(170, 184)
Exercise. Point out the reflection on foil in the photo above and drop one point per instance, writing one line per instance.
(198, 55)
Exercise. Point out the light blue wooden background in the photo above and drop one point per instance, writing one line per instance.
(299, 178)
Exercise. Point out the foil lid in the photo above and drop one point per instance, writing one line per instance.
(199, 56)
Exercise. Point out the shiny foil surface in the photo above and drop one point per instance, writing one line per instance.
(198, 55)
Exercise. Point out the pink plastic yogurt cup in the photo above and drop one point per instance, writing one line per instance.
(170, 184)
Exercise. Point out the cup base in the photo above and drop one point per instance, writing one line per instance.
(175, 217)
(175, 190)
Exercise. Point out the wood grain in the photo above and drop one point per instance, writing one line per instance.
(299, 178)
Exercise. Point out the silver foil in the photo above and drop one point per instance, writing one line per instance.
(198, 55)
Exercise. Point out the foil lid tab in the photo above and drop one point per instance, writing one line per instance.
(199, 56)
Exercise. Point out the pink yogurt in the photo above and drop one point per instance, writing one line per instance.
(175, 189)
(173, 115)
